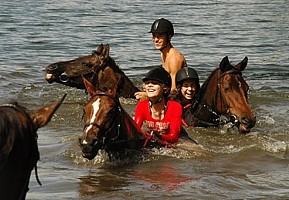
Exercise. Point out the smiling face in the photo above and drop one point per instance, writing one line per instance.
(153, 89)
(188, 89)
(160, 40)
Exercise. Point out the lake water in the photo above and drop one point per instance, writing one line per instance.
(34, 34)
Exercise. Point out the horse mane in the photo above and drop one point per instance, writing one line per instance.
(134, 133)
(114, 66)
(206, 83)
(134, 130)
(123, 80)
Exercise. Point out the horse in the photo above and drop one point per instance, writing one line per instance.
(225, 93)
(107, 125)
(18, 146)
(99, 68)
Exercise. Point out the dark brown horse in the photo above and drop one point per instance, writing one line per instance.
(18, 146)
(107, 125)
(225, 93)
(96, 68)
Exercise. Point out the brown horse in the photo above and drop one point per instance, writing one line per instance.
(107, 125)
(224, 93)
(18, 146)
(96, 68)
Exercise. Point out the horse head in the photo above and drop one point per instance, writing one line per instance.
(70, 72)
(226, 93)
(100, 120)
(98, 68)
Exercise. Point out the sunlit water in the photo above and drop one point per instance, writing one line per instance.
(34, 34)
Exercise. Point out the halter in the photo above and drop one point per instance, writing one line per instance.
(94, 70)
(105, 132)
(219, 119)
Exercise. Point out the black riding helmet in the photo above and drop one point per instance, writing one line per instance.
(186, 73)
(159, 74)
(162, 26)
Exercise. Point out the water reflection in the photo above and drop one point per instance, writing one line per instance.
(161, 177)
(93, 185)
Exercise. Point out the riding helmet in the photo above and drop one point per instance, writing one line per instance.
(159, 74)
(186, 73)
(162, 26)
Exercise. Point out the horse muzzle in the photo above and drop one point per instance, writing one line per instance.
(246, 124)
(89, 150)
(55, 72)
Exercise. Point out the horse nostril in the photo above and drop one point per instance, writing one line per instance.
(248, 122)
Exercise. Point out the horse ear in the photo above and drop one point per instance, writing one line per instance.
(224, 64)
(103, 52)
(99, 49)
(43, 115)
(106, 50)
(89, 87)
(243, 64)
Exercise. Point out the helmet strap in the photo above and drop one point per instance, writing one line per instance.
(168, 41)
(155, 102)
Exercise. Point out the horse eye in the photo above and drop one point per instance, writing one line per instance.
(226, 90)
(86, 64)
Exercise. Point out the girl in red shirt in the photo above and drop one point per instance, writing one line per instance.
(162, 117)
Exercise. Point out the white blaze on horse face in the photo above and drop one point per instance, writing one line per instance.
(95, 107)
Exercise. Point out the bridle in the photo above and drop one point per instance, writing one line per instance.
(220, 119)
(114, 127)
(64, 77)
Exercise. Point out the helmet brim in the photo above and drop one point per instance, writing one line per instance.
(152, 79)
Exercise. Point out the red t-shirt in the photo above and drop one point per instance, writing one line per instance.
(169, 126)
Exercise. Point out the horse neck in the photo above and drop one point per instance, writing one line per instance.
(210, 93)
(128, 126)
(128, 89)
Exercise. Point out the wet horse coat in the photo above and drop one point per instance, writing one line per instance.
(225, 93)
(18, 146)
(107, 125)
(99, 68)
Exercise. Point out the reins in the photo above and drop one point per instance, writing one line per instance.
(116, 123)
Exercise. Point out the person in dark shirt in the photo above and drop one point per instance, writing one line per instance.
(188, 86)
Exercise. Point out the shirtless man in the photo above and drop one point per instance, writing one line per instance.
(172, 60)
